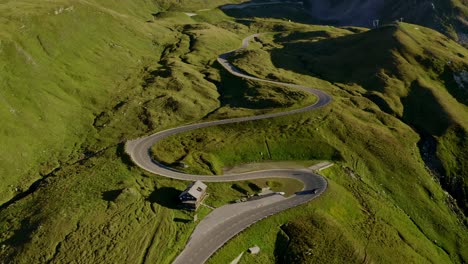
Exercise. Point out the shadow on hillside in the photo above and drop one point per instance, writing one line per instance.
(124, 157)
(423, 111)
(293, 12)
(298, 35)
(166, 197)
(281, 246)
(233, 90)
(110, 196)
(182, 220)
(254, 187)
(239, 188)
(22, 235)
(241, 93)
(357, 58)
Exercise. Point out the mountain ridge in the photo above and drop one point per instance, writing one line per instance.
(446, 16)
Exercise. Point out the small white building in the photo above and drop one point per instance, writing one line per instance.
(192, 197)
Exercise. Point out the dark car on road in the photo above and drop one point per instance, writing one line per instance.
(312, 191)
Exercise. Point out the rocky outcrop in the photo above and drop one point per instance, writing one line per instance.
(461, 79)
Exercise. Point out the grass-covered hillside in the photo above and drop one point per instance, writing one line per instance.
(78, 78)
(407, 78)
(398, 204)
(61, 63)
(64, 62)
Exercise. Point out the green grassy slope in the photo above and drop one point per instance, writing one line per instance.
(77, 83)
(398, 204)
(67, 65)
(62, 61)
(371, 81)
(405, 77)
(121, 74)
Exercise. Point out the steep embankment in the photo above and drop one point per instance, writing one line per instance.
(373, 127)
(381, 197)
(61, 61)
(66, 65)
(447, 16)
(409, 72)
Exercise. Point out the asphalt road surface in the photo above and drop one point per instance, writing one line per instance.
(202, 245)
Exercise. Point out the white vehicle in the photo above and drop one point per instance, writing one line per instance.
(280, 193)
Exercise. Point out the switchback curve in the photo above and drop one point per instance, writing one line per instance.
(199, 249)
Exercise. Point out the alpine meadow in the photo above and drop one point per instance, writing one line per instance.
(321, 131)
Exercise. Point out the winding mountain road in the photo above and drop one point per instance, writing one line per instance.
(203, 244)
